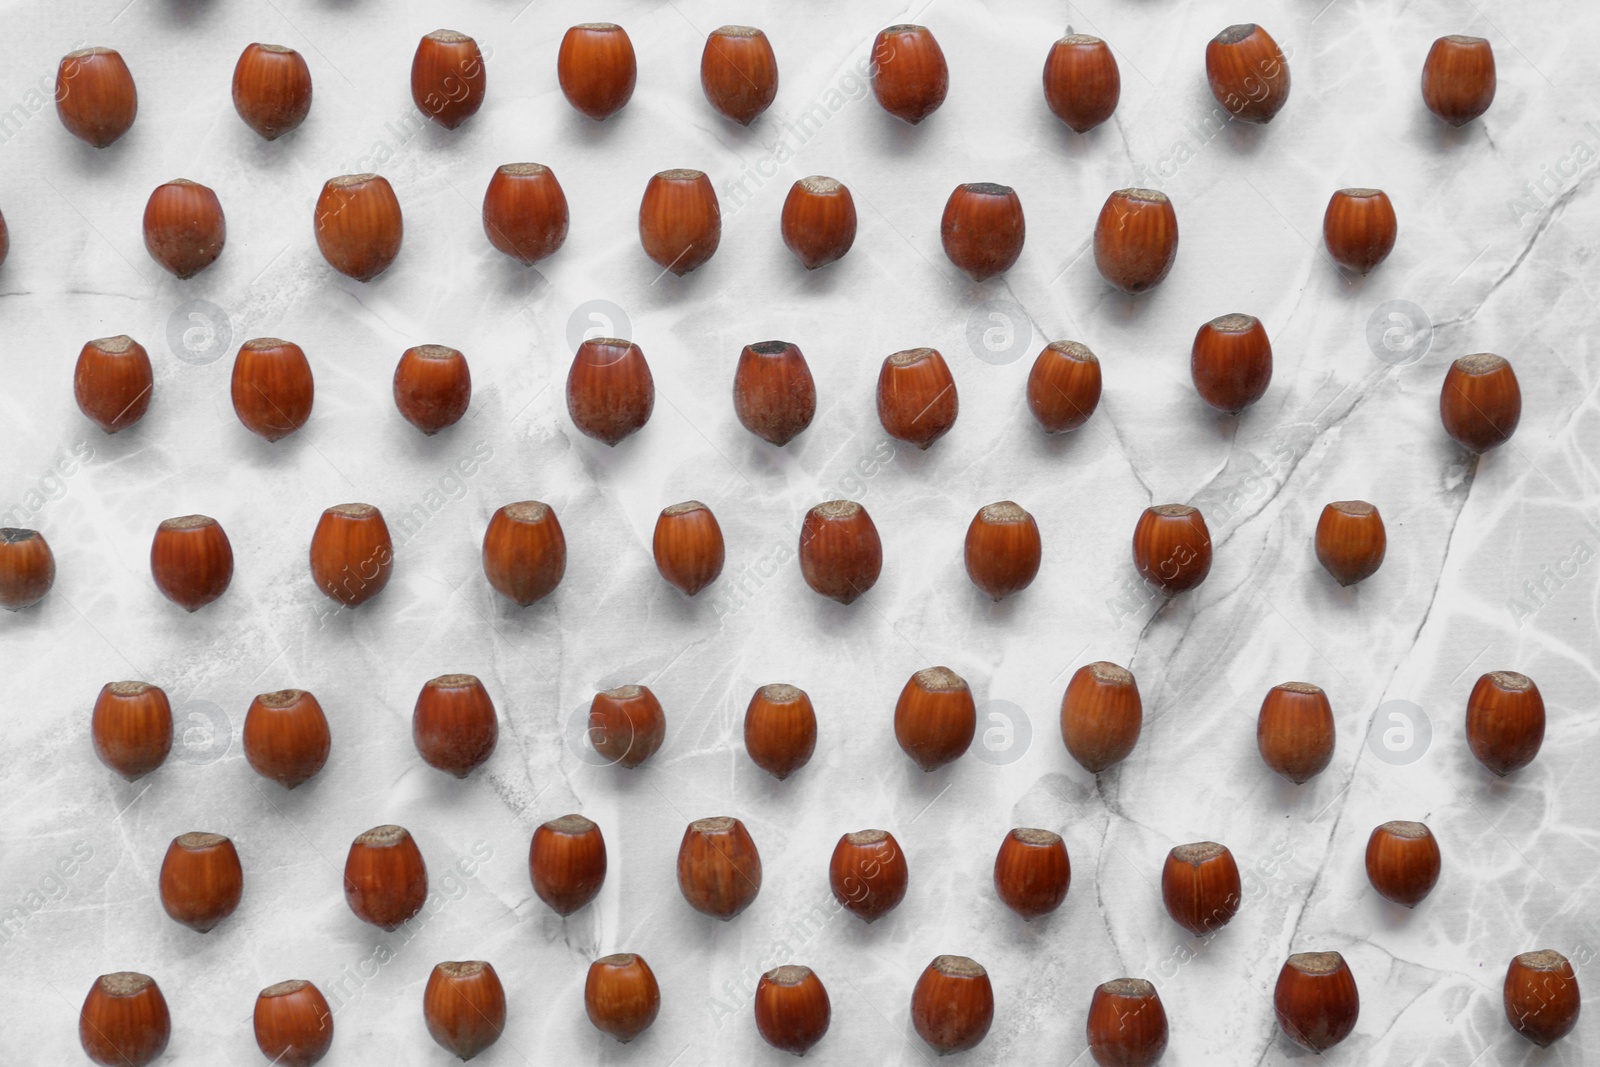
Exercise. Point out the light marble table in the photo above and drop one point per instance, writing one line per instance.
(1490, 566)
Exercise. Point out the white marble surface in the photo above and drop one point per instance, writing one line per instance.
(1519, 854)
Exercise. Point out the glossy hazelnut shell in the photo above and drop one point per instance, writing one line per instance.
(1081, 81)
(792, 1009)
(868, 874)
(525, 212)
(1231, 362)
(464, 1006)
(524, 552)
(1351, 541)
(1064, 386)
(935, 718)
(113, 382)
(626, 725)
(448, 79)
(739, 73)
(1172, 548)
(917, 400)
(1505, 721)
(385, 879)
(719, 869)
(358, 225)
(909, 75)
(1248, 72)
(818, 221)
(1481, 402)
(840, 553)
(1359, 228)
(1458, 78)
(95, 96)
(293, 1024)
(1136, 239)
(1032, 872)
(184, 230)
(453, 724)
(132, 728)
(272, 387)
(1316, 1000)
(191, 560)
(124, 1021)
(352, 555)
(774, 394)
(1541, 996)
(201, 880)
(1295, 731)
(610, 392)
(1403, 862)
(1127, 1024)
(432, 387)
(27, 568)
(620, 995)
(952, 1006)
(780, 729)
(286, 736)
(1200, 887)
(680, 221)
(271, 90)
(983, 229)
(1101, 715)
(567, 863)
(596, 68)
(688, 546)
(1002, 550)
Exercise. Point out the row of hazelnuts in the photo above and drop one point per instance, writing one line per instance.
(840, 553)
(611, 391)
(358, 220)
(597, 70)
(286, 738)
(611, 395)
(125, 1021)
(359, 226)
(455, 728)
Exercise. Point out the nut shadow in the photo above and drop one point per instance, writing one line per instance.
(1343, 598)
(262, 154)
(903, 139)
(1352, 286)
(659, 289)
(674, 605)
(438, 139)
(926, 786)
(106, 164)
(510, 278)
(1245, 139)
(1286, 795)
(1389, 916)
(1124, 309)
(751, 780)
(592, 133)
(1222, 425)
(1082, 147)
(993, 612)
(1438, 136)
(1029, 932)
(823, 281)
(187, 12)
(752, 454)
(258, 451)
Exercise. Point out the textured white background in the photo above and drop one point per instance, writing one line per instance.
(1519, 855)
